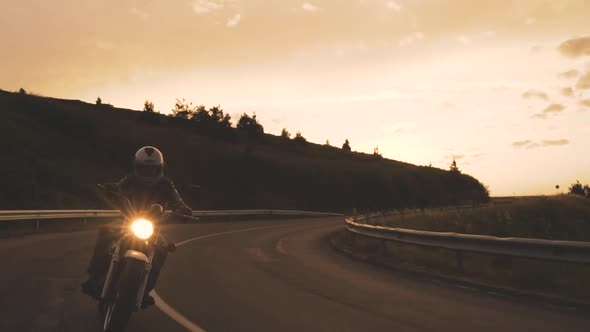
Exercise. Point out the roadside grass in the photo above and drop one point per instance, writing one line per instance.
(564, 217)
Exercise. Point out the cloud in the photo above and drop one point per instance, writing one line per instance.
(520, 144)
(530, 20)
(575, 47)
(478, 155)
(309, 7)
(573, 73)
(464, 39)
(551, 109)
(584, 82)
(568, 92)
(558, 142)
(205, 6)
(535, 94)
(529, 145)
(489, 33)
(585, 103)
(448, 105)
(394, 6)
(411, 38)
(554, 108)
(139, 13)
(234, 21)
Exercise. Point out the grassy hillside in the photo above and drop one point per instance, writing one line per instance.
(54, 152)
(564, 217)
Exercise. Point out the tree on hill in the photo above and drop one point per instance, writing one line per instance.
(578, 189)
(346, 146)
(148, 107)
(376, 153)
(327, 142)
(182, 110)
(200, 115)
(149, 114)
(454, 167)
(218, 118)
(285, 134)
(250, 126)
(299, 138)
(213, 121)
(98, 101)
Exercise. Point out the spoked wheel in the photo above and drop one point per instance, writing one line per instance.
(115, 317)
(115, 313)
(108, 315)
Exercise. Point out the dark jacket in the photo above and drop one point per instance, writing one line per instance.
(142, 196)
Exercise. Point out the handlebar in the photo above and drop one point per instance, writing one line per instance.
(127, 208)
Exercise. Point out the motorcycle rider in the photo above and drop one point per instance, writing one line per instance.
(147, 185)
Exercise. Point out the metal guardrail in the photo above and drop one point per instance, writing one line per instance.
(560, 251)
(68, 214)
(56, 214)
(38, 215)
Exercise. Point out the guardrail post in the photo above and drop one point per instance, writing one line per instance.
(84, 220)
(37, 225)
(460, 261)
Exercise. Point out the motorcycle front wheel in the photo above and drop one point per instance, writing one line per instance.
(117, 311)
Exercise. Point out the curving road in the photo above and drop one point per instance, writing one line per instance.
(258, 275)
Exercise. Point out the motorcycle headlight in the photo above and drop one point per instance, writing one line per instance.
(142, 228)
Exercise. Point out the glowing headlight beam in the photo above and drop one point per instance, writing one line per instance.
(142, 228)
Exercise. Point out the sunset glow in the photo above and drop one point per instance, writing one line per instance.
(501, 86)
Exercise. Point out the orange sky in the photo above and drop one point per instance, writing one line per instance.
(491, 83)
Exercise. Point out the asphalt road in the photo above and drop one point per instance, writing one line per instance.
(259, 275)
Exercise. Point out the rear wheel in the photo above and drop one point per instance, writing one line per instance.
(117, 311)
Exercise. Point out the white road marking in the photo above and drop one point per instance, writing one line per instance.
(173, 313)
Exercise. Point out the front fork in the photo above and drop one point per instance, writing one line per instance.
(148, 269)
(112, 267)
(116, 257)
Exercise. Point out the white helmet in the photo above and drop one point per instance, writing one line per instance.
(149, 164)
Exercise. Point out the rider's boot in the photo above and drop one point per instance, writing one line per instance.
(91, 286)
(148, 301)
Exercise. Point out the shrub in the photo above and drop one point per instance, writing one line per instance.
(299, 138)
(346, 146)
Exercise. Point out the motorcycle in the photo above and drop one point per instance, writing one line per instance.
(131, 262)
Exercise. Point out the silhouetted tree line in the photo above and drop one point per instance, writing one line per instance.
(55, 152)
(214, 122)
(579, 189)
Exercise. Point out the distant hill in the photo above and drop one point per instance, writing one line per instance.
(54, 151)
